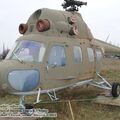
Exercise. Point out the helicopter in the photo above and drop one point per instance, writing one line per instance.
(56, 50)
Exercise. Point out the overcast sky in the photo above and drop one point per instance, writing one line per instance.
(102, 17)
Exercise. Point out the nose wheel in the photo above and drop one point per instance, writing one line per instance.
(29, 110)
(115, 89)
(26, 109)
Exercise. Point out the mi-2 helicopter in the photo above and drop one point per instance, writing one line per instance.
(57, 50)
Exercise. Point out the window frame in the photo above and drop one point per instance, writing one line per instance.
(57, 65)
(18, 43)
(80, 57)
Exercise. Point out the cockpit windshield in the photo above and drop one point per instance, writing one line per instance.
(29, 51)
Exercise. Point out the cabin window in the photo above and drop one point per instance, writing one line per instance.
(77, 54)
(29, 51)
(98, 55)
(90, 54)
(57, 56)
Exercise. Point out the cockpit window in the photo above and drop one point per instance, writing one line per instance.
(29, 51)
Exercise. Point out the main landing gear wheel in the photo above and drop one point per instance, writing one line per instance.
(115, 89)
(29, 109)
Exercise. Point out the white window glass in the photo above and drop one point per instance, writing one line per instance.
(57, 56)
(29, 51)
(98, 55)
(77, 54)
(90, 54)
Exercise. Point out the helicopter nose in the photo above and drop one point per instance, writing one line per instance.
(17, 78)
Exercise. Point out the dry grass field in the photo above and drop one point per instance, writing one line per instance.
(81, 100)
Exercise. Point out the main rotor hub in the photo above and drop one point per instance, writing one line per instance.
(72, 5)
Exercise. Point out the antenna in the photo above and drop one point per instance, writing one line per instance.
(107, 38)
(72, 5)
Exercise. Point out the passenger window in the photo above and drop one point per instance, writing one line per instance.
(98, 55)
(77, 54)
(57, 56)
(90, 54)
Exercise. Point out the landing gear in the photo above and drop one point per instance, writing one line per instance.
(29, 110)
(52, 95)
(104, 84)
(25, 109)
(115, 89)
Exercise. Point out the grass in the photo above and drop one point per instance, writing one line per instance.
(112, 75)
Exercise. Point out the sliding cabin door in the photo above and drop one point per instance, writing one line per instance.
(77, 60)
(57, 72)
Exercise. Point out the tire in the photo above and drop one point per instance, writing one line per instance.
(28, 106)
(29, 109)
(115, 89)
